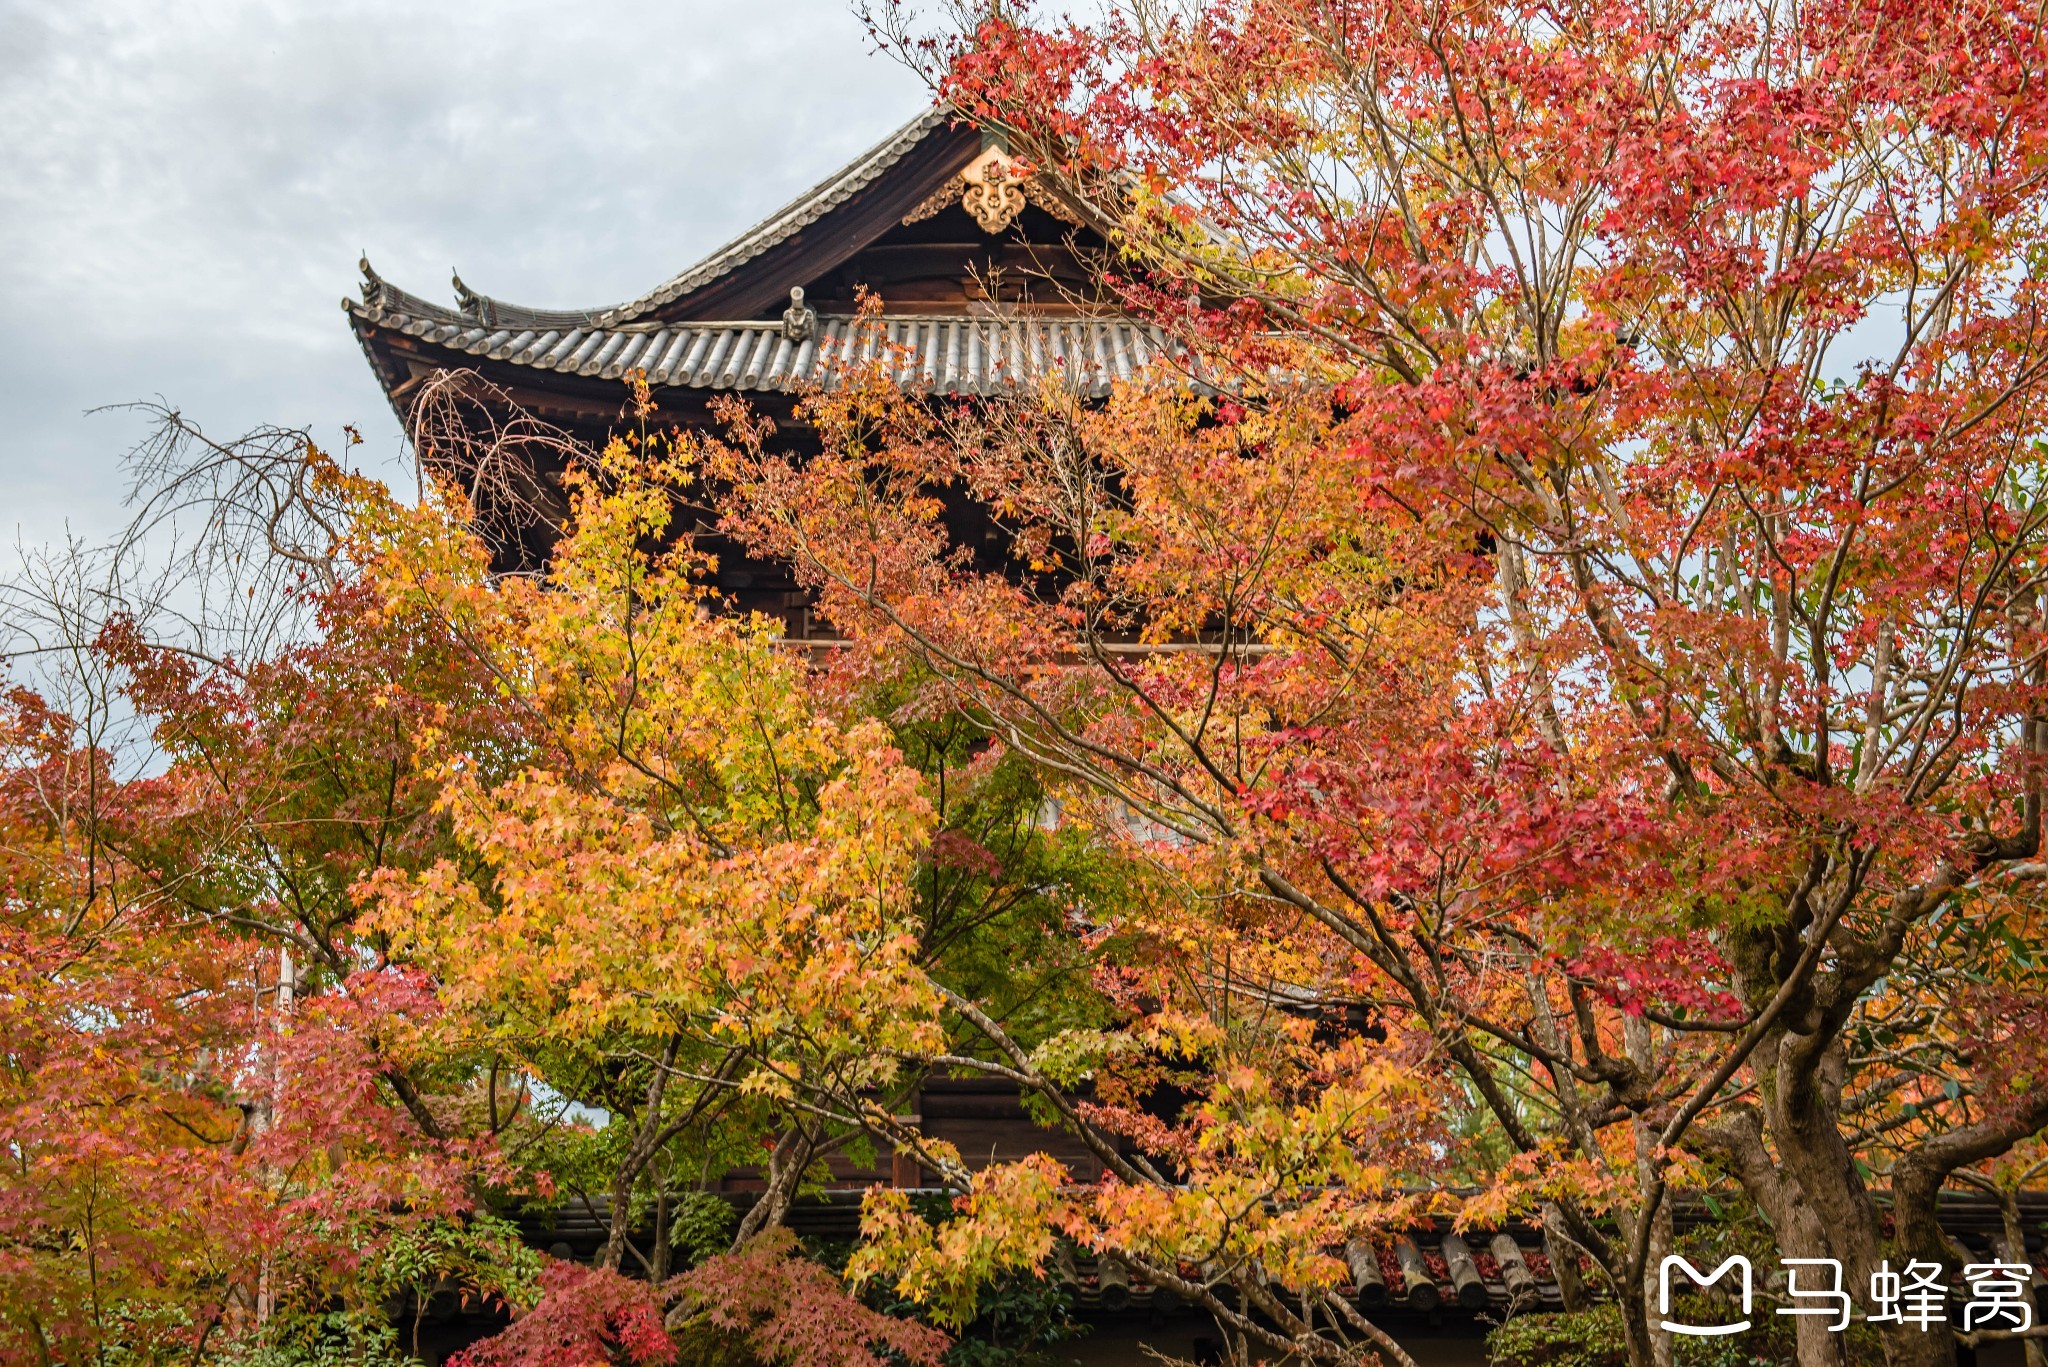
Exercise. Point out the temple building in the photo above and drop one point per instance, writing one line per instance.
(984, 276)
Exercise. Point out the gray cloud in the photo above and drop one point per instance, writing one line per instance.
(184, 189)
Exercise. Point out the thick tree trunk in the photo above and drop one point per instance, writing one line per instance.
(1802, 1100)
(1917, 1180)
(1564, 1258)
(1832, 1210)
(1793, 1159)
(1638, 1311)
(1799, 1231)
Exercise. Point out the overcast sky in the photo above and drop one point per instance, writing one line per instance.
(185, 188)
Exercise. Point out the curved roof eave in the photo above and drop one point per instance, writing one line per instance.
(960, 354)
(807, 208)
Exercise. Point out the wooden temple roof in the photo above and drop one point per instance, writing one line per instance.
(941, 354)
(1429, 1269)
(985, 278)
(933, 141)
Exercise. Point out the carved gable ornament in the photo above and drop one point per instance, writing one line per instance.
(994, 188)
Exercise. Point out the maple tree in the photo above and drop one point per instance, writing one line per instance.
(1591, 565)
(1544, 710)
(291, 1017)
(221, 1133)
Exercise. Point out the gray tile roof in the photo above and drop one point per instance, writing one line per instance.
(943, 355)
(778, 227)
(805, 209)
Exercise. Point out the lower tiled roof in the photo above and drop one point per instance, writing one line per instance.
(941, 355)
(1427, 1269)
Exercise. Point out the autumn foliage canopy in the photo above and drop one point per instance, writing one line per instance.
(1538, 713)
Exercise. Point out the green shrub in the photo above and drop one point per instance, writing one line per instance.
(699, 1344)
(1593, 1338)
(700, 1225)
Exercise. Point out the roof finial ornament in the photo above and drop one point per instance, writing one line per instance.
(373, 283)
(799, 322)
(476, 305)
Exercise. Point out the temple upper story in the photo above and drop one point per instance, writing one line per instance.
(984, 274)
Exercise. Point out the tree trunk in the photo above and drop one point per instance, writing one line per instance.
(1638, 1316)
(1799, 1232)
(793, 1153)
(2012, 1248)
(1640, 1038)
(635, 1158)
(1917, 1179)
(1564, 1259)
(617, 1216)
(659, 1255)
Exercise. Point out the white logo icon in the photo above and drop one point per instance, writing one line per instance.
(1701, 1279)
